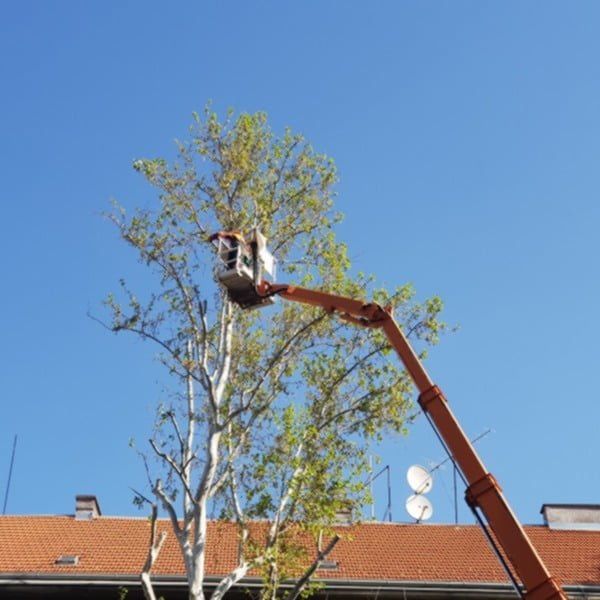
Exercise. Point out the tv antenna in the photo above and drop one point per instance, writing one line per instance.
(455, 472)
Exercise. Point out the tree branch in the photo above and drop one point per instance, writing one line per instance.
(174, 466)
(280, 353)
(322, 555)
(154, 548)
(162, 496)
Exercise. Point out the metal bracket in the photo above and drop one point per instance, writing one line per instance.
(481, 486)
(548, 589)
(429, 396)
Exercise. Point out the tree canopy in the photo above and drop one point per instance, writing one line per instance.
(273, 411)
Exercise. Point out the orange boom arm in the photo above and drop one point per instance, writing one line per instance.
(483, 492)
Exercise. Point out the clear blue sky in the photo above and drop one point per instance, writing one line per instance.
(467, 136)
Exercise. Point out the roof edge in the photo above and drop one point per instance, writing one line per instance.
(36, 579)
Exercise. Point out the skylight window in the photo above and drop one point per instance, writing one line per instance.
(67, 560)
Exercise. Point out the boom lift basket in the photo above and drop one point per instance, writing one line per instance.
(242, 264)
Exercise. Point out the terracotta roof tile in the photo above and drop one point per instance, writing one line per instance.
(370, 551)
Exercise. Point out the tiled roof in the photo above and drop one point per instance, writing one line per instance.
(369, 551)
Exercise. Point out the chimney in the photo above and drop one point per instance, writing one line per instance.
(344, 515)
(572, 516)
(86, 508)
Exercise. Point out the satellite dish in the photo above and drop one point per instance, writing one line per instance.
(419, 507)
(419, 479)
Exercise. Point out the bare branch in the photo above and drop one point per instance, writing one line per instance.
(203, 355)
(172, 418)
(154, 548)
(174, 466)
(168, 506)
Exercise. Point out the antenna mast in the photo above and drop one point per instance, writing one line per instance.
(10, 470)
(369, 482)
(371, 488)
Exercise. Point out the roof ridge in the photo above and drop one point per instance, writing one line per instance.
(71, 516)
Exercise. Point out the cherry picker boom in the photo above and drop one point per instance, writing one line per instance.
(483, 494)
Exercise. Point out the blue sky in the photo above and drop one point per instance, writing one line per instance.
(467, 136)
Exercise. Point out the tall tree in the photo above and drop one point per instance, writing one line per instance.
(275, 409)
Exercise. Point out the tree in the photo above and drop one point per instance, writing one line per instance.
(272, 411)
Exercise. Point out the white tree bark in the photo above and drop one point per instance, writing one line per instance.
(191, 532)
(227, 582)
(154, 548)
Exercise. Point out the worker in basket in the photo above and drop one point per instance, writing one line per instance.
(237, 248)
(243, 263)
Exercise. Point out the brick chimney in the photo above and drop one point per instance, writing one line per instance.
(86, 508)
(344, 515)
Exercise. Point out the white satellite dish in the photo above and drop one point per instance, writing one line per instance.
(419, 479)
(419, 507)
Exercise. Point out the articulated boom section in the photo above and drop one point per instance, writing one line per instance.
(483, 492)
